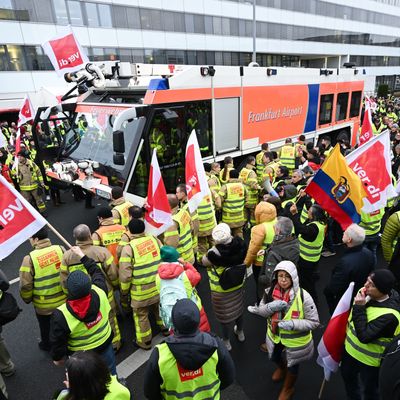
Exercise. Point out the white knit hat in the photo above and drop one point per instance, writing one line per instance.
(222, 233)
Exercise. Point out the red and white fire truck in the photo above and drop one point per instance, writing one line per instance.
(124, 111)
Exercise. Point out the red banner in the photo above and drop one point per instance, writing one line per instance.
(18, 219)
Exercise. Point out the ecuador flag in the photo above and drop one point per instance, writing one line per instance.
(338, 190)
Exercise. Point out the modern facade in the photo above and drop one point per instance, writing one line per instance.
(306, 33)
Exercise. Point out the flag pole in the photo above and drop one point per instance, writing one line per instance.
(321, 389)
(58, 234)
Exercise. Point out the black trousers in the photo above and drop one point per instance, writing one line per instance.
(367, 387)
(44, 326)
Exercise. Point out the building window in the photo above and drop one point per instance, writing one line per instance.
(133, 17)
(341, 106)
(355, 104)
(105, 15)
(325, 109)
(75, 12)
(92, 15)
(16, 58)
(60, 10)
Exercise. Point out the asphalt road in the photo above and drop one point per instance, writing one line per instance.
(37, 377)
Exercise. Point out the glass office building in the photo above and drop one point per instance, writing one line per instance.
(303, 33)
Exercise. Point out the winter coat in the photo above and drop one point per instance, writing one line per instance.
(264, 212)
(383, 326)
(174, 270)
(390, 233)
(309, 322)
(59, 330)
(354, 266)
(191, 352)
(227, 306)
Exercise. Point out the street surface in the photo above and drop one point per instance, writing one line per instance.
(37, 377)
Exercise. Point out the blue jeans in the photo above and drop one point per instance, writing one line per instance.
(351, 369)
(108, 356)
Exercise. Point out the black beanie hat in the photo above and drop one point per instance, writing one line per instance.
(104, 212)
(384, 280)
(136, 226)
(185, 317)
(78, 285)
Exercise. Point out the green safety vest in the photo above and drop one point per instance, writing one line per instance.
(311, 251)
(185, 247)
(146, 252)
(47, 290)
(221, 173)
(288, 156)
(116, 391)
(123, 210)
(206, 215)
(194, 217)
(371, 222)
(181, 384)
(213, 276)
(88, 335)
(390, 202)
(291, 339)
(252, 194)
(81, 267)
(260, 164)
(369, 353)
(268, 238)
(36, 177)
(233, 206)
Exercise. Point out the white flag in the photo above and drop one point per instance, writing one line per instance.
(196, 179)
(65, 53)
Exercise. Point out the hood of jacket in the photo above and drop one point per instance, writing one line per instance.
(291, 269)
(170, 270)
(264, 212)
(85, 309)
(192, 351)
(225, 255)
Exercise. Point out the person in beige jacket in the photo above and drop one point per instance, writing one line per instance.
(262, 235)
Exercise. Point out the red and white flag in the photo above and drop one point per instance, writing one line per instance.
(196, 179)
(158, 216)
(372, 163)
(18, 219)
(65, 53)
(26, 114)
(330, 347)
(366, 129)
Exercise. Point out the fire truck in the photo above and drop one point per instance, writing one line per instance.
(120, 112)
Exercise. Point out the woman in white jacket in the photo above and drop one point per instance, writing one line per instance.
(292, 315)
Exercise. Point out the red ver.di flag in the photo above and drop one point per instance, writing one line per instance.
(330, 348)
(196, 180)
(366, 128)
(18, 219)
(65, 53)
(26, 114)
(371, 162)
(158, 217)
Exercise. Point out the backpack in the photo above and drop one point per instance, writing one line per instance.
(9, 309)
(171, 290)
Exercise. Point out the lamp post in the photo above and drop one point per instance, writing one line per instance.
(254, 57)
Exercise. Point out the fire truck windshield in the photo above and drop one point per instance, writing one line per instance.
(92, 137)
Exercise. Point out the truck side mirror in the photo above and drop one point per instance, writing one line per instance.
(118, 142)
(119, 159)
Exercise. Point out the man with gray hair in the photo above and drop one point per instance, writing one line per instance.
(355, 266)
